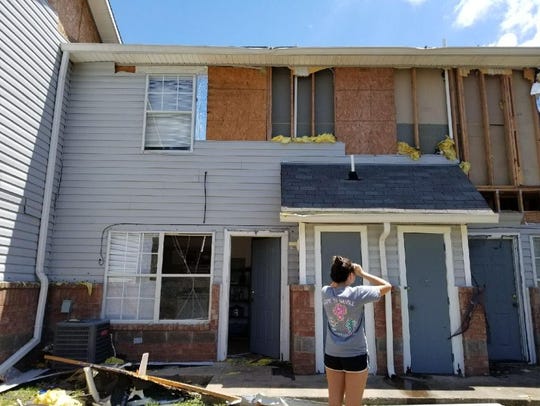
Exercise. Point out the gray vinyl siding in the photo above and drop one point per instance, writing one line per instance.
(109, 181)
(30, 59)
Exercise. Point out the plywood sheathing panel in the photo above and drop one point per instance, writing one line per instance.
(527, 119)
(365, 110)
(76, 21)
(237, 104)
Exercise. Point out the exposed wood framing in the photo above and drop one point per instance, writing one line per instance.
(453, 108)
(485, 127)
(511, 135)
(462, 116)
(313, 104)
(415, 108)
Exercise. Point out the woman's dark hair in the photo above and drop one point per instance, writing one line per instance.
(341, 269)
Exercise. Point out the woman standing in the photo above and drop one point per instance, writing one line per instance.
(345, 354)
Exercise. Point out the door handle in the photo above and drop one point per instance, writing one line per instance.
(411, 307)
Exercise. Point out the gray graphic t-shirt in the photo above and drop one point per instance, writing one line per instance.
(344, 308)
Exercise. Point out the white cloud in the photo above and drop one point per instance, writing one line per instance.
(470, 11)
(416, 2)
(518, 20)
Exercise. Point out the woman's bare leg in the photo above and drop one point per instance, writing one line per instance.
(355, 383)
(336, 386)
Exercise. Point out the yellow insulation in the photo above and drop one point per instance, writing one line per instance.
(448, 148)
(406, 149)
(318, 139)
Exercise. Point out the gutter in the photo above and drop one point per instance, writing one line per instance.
(44, 222)
(387, 305)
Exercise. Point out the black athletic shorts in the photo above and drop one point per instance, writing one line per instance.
(346, 364)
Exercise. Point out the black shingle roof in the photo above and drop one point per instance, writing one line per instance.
(380, 186)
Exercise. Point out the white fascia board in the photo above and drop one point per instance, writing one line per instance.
(387, 215)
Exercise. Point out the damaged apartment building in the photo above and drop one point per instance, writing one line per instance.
(198, 194)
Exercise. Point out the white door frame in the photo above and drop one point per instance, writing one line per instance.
(369, 313)
(223, 320)
(453, 293)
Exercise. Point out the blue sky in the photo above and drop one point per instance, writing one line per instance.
(307, 23)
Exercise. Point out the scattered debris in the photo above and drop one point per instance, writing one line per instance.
(131, 380)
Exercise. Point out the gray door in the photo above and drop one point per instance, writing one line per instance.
(492, 268)
(346, 244)
(427, 294)
(265, 296)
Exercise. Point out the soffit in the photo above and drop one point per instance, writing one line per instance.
(104, 19)
(489, 57)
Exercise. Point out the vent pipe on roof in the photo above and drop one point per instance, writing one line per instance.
(44, 222)
(352, 172)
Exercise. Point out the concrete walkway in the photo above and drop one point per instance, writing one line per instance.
(268, 382)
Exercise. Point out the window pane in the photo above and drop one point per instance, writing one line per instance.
(130, 298)
(303, 107)
(168, 131)
(281, 101)
(187, 254)
(324, 102)
(184, 298)
(150, 243)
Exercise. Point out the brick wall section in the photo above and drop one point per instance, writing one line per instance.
(76, 21)
(237, 104)
(397, 331)
(475, 337)
(380, 336)
(170, 342)
(18, 304)
(534, 293)
(365, 111)
(302, 322)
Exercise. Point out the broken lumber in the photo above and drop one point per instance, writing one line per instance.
(232, 400)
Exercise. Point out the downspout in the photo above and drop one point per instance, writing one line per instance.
(44, 222)
(387, 304)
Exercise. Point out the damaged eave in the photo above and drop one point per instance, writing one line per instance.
(405, 216)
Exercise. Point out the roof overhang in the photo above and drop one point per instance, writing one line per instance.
(105, 23)
(394, 57)
(370, 216)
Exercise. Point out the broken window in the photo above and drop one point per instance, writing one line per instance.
(175, 111)
(302, 102)
(158, 276)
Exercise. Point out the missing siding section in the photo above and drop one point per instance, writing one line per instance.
(511, 199)
(124, 68)
(421, 108)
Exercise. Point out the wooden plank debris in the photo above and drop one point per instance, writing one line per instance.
(230, 399)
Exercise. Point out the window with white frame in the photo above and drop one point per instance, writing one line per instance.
(536, 254)
(154, 277)
(175, 112)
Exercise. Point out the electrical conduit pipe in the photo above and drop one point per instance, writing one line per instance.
(387, 304)
(44, 222)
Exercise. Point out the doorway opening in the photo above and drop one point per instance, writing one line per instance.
(254, 296)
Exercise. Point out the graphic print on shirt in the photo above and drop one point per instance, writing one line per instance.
(340, 324)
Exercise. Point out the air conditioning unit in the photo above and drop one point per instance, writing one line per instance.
(83, 340)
